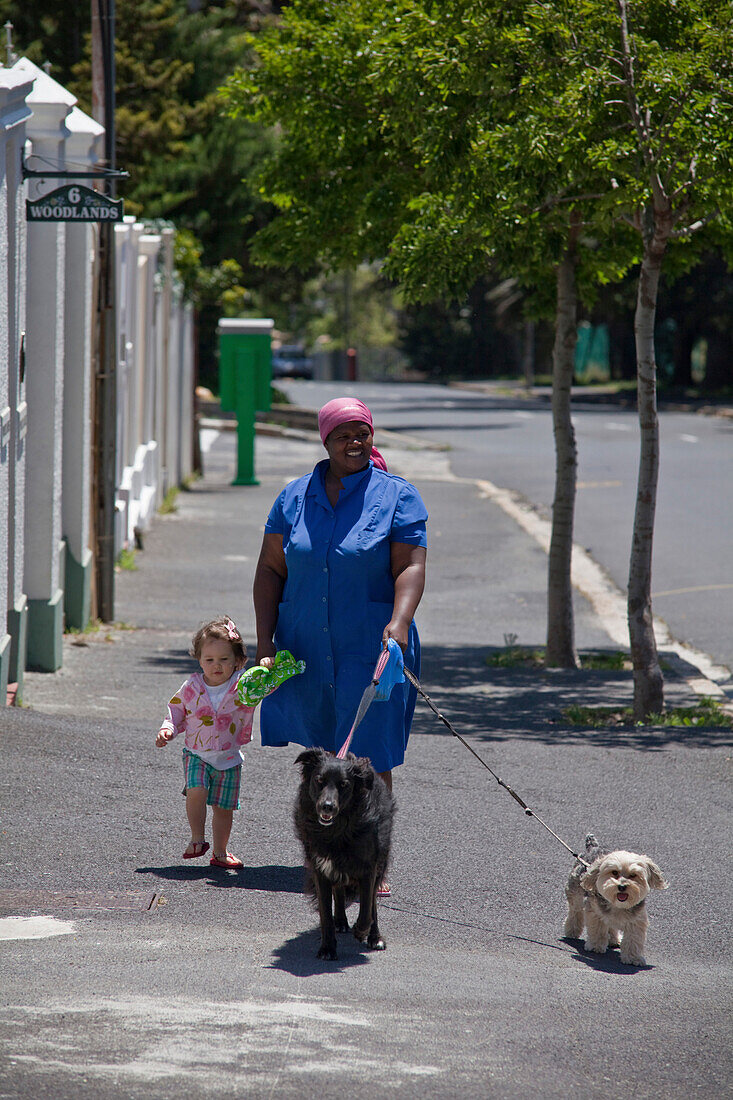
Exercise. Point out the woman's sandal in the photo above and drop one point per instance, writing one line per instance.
(200, 848)
(384, 890)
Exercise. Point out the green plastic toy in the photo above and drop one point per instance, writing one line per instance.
(257, 682)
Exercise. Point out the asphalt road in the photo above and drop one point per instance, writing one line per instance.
(161, 979)
(509, 441)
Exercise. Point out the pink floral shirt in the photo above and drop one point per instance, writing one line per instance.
(215, 735)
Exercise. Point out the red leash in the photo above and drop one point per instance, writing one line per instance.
(366, 699)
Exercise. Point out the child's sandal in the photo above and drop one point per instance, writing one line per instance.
(200, 848)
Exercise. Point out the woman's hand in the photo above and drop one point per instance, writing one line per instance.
(399, 630)
(266, 662)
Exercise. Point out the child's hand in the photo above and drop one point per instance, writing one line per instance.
(164, 736)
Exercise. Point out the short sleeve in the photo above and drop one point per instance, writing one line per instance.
(410, 518)
(275, 524)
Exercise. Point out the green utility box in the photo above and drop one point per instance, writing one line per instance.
(245, 378)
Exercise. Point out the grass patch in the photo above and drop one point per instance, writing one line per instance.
(168, 506)
(126, 560)
(517, 656)
(606, 662)
(707, 713)
(92, 627)
(520, 656)
(277, 397)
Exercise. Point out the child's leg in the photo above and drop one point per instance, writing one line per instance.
(221, 827)
(224, 800)
(196, 813)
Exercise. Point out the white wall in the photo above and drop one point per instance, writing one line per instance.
(14, 113)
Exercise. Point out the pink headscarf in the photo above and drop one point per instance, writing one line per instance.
(340, 411)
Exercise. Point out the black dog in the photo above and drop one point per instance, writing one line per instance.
(343, 819)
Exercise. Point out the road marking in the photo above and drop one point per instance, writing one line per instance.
(695, 588)
(604, 595)
(235, 557)
(606, 598)
(689, 439)
(34, 928)
(598, 484)
(524, 415)
(613, 427)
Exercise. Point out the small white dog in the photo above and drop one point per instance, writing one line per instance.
(608, 898)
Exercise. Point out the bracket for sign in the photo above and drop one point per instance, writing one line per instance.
(53, 174)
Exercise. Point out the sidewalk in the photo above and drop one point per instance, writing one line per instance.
(486, 589)
(176, 979)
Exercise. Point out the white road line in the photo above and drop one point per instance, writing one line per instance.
(33, 928)
(604, 595)
(614, 427)
(689, 439)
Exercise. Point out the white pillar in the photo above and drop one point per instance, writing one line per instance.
(166, 429)
(44, 572)
(145, 473)
(83, 149)
(14, 113)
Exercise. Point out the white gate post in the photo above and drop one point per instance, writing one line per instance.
(83, 148)
(44, 549)
(14, 113)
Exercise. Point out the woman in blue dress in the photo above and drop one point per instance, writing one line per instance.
(342, 570)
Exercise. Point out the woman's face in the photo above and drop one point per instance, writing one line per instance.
(349, 446)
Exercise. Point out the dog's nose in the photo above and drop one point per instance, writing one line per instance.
(327, 805)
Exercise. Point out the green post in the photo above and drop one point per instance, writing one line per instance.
(245, 378)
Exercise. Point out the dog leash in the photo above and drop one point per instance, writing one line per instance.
(529, 812)
(385, 656)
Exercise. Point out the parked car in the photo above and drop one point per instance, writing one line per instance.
(291, 361)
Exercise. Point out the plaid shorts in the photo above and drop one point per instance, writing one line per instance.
(223, 786)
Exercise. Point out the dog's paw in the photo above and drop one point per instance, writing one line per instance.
(376, 943)
(632, 959)
(598, 947)
(342, 926)
(328, 953)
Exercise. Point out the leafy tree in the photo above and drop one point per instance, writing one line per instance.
(664, 77)
(535, 133)
(428, 134)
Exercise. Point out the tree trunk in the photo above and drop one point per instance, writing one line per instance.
(560, 623)
(648, 680)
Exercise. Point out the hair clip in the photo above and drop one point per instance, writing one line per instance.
(232, 630)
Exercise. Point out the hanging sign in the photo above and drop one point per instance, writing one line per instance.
(73, 203)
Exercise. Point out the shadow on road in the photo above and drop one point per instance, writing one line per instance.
(609, 963)
(298, 955)
(496, 704)
(273, 879)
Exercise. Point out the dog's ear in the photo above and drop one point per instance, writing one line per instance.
(308, 760)
(590, 878)
(363, 771)
(655, 878)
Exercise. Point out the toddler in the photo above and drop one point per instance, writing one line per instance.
(207, 709)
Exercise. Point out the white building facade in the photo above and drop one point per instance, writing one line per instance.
(48, 361)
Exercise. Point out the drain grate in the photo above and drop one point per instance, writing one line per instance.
(47, 900)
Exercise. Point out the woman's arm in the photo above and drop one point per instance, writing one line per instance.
(408, 570)
(270, 577)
